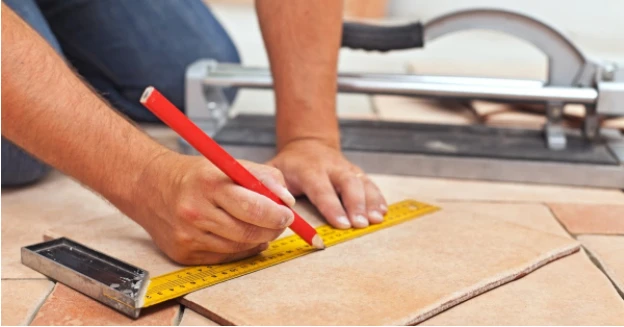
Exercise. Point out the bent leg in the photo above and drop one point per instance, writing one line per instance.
(123, 47)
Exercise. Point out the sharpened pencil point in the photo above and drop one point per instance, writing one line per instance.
(318, 243)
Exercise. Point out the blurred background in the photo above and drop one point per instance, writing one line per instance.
(596, 27)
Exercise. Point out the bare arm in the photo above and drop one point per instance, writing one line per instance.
(49, 112)
(302, 38)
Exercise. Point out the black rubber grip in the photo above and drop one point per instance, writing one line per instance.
(382, 38)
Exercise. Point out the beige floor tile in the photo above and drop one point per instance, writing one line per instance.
(534, 216)
(192, 318)
(570, 291)
(609, 253)
(115, 234)
(28, 212)
(421, 257)
(66, 307)
(22, 298)
(590, 218)
(426, 111)
(398, 187)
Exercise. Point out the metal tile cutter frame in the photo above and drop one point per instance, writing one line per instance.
(589, 157)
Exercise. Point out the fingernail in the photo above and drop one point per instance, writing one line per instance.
(375, 216)
(288, 198)
(383, 208)
(343, 222)
(263, 246)
(360, 221)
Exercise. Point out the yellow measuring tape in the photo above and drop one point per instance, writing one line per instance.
(188, 280)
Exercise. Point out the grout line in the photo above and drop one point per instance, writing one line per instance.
(602, 269)
(178, 318)
(37, 307)
(559, 221)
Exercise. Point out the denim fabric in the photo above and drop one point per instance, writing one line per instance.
(120, 47)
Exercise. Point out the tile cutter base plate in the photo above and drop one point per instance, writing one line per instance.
(470, 152)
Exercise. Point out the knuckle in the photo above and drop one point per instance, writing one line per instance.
(187, 211)
(182, 238)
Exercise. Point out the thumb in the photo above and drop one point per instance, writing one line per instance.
(273, 179)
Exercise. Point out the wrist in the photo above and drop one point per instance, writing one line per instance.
(156, 177)
(333, 143)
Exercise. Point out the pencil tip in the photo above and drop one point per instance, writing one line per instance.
(317, 242)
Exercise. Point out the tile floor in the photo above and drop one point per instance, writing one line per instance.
(29, 298)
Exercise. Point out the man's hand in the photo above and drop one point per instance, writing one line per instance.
(197, 215)
(322, 173)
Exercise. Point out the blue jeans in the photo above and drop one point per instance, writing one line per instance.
(120, 48)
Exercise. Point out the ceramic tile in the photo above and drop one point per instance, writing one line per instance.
(192, 318)
(590, 218)
(445, 258)
(398, 108)
(609, 253)
(399, 187)
(66, 307)
(21, 299)
(27, 212)
(570, 291)
(533, 215)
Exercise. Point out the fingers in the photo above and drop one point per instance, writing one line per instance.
(376, 206)
(273, 179)
(351, 189)
(322, 194)
(253, 208)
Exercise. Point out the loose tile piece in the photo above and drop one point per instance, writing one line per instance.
(609, 252)
(192, 318)
(395, 276)
(424, 189)
(21, 299)
(29, 211)
(420, 110)
(570, 291)
(68, 307)
(590, 218)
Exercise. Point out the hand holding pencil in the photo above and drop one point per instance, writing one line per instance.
(174, 118)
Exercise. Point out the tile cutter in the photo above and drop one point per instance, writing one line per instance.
(590, 156)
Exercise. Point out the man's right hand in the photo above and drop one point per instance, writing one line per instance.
(197, 215)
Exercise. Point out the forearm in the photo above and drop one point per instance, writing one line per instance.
(302, 38)
(48, 111)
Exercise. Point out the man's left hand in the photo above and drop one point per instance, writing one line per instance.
(326, 177)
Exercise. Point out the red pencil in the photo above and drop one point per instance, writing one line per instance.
(174, 118)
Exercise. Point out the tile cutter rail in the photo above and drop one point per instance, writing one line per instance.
(590, 156)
